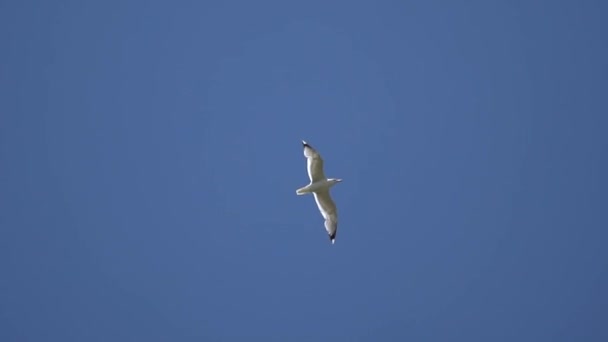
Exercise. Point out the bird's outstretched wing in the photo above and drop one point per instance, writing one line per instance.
(327, 207)
(314, 163)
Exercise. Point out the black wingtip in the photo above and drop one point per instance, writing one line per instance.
(332, 238)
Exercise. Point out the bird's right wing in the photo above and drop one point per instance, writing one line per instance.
(314, 163)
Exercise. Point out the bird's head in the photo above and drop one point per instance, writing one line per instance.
(334, 181)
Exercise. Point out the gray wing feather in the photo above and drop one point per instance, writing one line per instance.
(314, 163)
(327, 207)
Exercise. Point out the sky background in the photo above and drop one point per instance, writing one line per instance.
(150, 152)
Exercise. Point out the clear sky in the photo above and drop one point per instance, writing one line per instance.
(150, 152)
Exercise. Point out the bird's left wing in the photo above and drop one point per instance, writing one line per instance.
(327, 207)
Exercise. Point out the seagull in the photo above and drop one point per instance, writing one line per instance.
(319, 187)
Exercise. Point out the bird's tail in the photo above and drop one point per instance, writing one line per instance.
(303, 190)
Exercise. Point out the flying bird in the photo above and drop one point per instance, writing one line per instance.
(319, 186)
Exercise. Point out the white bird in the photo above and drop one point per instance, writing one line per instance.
(319, 187)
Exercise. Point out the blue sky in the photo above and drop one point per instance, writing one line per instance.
(150, 152)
